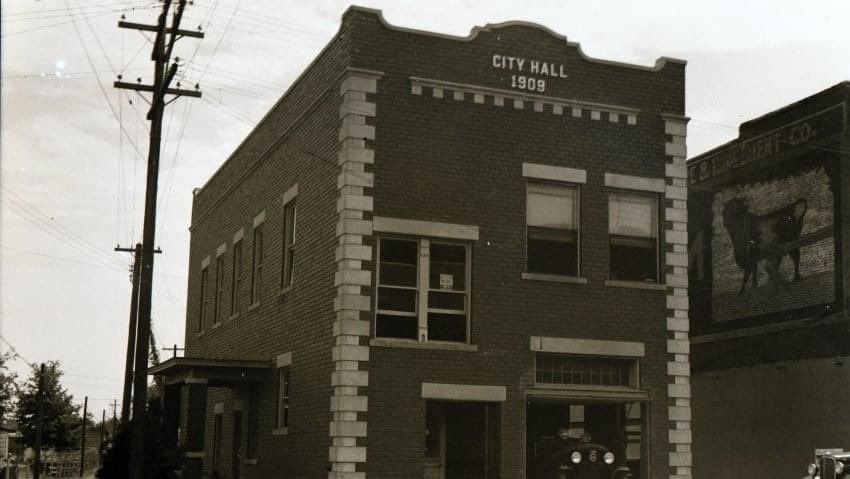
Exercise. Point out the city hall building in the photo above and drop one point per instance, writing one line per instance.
(770, 251)
(432, 255)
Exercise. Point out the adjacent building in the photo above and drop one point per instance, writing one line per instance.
(770, 253)
(434, 253)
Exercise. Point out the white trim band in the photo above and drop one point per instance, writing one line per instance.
(590, 347)
(425, 228)
(464, 392)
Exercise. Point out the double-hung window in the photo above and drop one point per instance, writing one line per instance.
(552, 219)
(204, 308)
(289, 215)
(219, 289)
(282, 417)
(257, 265)
(423, 290)
(633, 236)
(236, 278)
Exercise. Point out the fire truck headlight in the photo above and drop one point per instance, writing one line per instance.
(608, 458)
(811, 469)
(839, 467)
(575, 457)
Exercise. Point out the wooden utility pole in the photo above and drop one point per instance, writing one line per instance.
(161, 55)
(83, 439)
(131, 334)
(39, 421)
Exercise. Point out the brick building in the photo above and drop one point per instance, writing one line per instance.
(432, 254)
(770, 252)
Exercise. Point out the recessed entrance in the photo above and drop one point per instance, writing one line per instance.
(461, 440)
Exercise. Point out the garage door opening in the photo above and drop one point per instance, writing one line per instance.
(555, 425)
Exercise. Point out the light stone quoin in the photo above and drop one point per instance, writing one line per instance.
(678, 346)
(348, 406)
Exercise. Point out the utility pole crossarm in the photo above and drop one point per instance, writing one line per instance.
(150, 88)
(153, 28)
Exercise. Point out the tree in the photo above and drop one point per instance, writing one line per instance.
(61, 415)
(8, 380)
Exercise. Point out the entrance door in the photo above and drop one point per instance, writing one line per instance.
(235, 462)
(462, 440)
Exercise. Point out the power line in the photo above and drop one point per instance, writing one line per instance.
(100, 5)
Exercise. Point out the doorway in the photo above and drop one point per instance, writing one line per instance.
(461, 440)
(236, 458)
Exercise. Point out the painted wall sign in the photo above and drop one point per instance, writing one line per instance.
(772, 245)
(764, 146)
(531, 74)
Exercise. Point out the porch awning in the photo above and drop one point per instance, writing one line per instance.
(217, 372)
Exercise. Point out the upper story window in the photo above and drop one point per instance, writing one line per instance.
(289, 215)
(552, 219)
(423, 290)
(204, 307)
(257, 265)
(236, 278)
(633, 236)
(219, 289)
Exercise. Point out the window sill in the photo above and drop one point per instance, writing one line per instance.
(200, 333)
(635, 285)
(216, 325)
(233, 316)
(253, 306)
(413, 344)
(283, 431)
(251, 462)
(554, 278)
(284, 291)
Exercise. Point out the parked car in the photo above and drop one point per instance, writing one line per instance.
(829, 465)
(566, 457)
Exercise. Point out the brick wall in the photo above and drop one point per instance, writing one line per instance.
(294, 144)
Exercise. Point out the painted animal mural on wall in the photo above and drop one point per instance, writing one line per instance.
(768, 237)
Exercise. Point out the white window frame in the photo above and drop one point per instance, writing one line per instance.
(423, 287)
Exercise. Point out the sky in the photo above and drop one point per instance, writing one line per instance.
(73, 149)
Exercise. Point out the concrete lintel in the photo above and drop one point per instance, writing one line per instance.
(554, 173)
(593, 347)
(464, 392)
(425, 228)
(630, 182)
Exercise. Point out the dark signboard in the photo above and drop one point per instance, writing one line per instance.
(781, 140)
